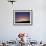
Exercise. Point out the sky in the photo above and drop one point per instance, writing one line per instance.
(22, 16)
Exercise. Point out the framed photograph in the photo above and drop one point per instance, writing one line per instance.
(22, 17)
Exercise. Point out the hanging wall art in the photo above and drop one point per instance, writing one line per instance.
(22, 17)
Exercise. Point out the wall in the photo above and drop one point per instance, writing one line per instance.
(9, 32)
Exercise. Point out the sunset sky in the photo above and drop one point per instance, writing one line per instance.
(22, 16)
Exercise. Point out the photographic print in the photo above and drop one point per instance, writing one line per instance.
(22, 17)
